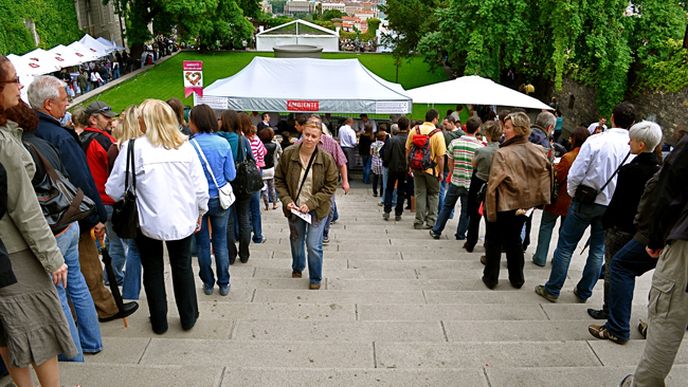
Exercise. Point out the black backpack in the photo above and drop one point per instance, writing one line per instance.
(248, 178)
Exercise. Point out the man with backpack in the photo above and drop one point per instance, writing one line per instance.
(393, 155)
(425, 152)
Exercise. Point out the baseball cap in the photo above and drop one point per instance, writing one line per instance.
(100, 107)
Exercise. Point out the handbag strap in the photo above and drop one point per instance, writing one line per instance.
(615, 172)
(308, 168)
(130, 162)
(240, 149)
(207, 164)
(46, 164)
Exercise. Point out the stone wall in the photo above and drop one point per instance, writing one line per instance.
(577, 104)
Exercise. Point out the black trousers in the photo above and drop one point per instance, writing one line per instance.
(400, 179)
(239, 218)
(505, 232)
(182, 280)
(473, 207)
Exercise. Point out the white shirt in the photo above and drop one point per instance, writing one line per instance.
(597, 160)
(347, 137)
(594, 125)
(360, 125)
(171, 188)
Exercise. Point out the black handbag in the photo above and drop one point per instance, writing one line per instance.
(587, 195)
(125, 214)
(248, 178)
(61, 202)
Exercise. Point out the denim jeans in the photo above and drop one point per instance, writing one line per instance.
(367, 161)
(443, 194)
(218, 221)
(311, 235)
(579, 217)
(131, 287)
(116, 247)
(454, 193)
(547, 223)
(614, 240)
(385, 177)
(239, 219)
(86, 335)
(330, 216)
(629, 262)
(256, 223)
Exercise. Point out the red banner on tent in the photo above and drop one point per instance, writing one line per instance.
(193, 77)
(303, 106)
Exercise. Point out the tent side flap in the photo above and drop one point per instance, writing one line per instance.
(306, 105)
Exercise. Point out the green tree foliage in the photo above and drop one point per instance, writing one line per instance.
(278, 5)
(251, 8)
(410, 19)
(544, 40)
(55, 21)
(228, 29)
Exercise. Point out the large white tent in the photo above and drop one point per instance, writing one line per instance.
(95, 46)
(41, 62)
(84, 52)
(306, 85)
(473, 90)
(66, 56)
(111, 45)
(298, 32)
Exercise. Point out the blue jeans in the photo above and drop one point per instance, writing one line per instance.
(579, 217)
(629, 262)
(239, 224)
(367, 161)
(385, 177)
(116, 247)
(454, 193)
(256, 223)
(86, 335)
(549, 220)
(443, 194)
(330, 216)
(311, 235)
(218, 219)
(131, 287)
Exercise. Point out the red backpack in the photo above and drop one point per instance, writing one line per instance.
(419, 157)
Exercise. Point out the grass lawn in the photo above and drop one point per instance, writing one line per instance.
(165, 80)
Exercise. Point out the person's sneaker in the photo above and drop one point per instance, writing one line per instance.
(380, 204)
(601, 332)
(578, 297)
(374, 194)
(468, 247)
(418, 226)
(483, 259)
(296, 274)
(208, 290)
(428, 226)
(243, 260)
(627, 381)
(397, 217)
(598, 314)
(385, 215)
(314, 286)
(642, 328)
(224, 290)
(433, 235)
(542, 292)
(326, 239)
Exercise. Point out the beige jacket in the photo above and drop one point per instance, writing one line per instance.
(519, 177)
(24, 227)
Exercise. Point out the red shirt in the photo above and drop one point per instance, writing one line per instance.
(99, 164)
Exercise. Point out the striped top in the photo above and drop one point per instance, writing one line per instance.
(258, 150)
(461, 150)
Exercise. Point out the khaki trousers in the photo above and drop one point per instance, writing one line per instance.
(93, 274)
(667, 316)
(426, 189)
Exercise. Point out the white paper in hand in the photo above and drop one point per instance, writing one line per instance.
(306, 217)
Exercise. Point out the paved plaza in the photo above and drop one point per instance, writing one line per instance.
(397, 308)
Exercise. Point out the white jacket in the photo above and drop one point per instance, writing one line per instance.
(171, 188)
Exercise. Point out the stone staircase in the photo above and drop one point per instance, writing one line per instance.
(397, 308)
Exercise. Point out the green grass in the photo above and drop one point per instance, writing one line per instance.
(165, 80)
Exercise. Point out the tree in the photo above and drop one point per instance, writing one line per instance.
(227, 29)
(250, 8)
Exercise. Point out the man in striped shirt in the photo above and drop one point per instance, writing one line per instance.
(460, 152)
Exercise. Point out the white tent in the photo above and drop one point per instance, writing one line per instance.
(473, 90)
(95, 45)
(83, 52)
(298, 32)
(306, 85)
(111, 45)
(66, 56)
(41, 62)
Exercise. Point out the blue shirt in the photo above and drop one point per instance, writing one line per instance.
(219, 155)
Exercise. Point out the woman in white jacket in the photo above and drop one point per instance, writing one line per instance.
(171, 197)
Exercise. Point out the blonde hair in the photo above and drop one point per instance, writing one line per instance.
(162, 128)
(128, 127)
(520, 122)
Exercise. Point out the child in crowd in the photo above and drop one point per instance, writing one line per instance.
(376, 162)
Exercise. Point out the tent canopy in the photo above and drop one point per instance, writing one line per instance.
(95, 46)
(66, 56)
(41, 62)
(111, 45)
(306, 85)
(84, 52)
(473, 90)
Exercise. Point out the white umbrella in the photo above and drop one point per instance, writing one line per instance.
(473, 90)
(41, 62)
(83, 52)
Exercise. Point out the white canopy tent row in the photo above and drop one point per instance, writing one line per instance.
(306, 85)
(95, 46)
(473, 90)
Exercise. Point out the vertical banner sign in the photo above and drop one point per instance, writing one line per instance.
(193, 77)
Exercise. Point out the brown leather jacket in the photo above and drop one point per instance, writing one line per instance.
(288, 174)
(561, 206)
(519, 177)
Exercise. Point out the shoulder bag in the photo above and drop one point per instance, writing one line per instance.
(248, 179)
(61, 202)
(226, 193)
(125, 214)
(586, 194)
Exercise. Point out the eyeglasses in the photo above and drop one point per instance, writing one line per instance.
(15, 80)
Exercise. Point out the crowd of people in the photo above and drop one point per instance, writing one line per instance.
(198, 180)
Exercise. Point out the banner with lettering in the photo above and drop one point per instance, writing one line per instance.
(193, 77)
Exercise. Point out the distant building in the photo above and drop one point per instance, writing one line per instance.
(292, 7)
(99, 20)
(266, 6)
(338, 6)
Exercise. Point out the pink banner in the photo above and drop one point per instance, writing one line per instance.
(193, 77)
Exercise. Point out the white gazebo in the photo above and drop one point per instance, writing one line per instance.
(298, 32)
